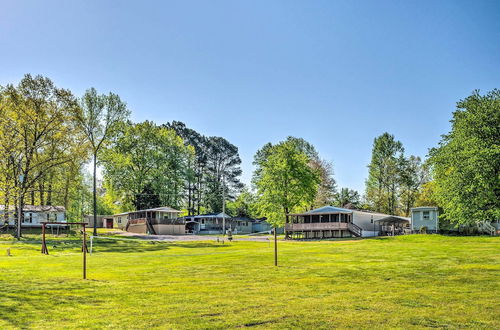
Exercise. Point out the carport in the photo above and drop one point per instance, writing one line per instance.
(393, 225)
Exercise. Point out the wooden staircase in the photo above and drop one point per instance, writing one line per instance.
(150, 227)
(486, 228)
(354, 229)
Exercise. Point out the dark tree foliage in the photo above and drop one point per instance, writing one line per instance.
(147, 199)
(216, 168)
(223, 172)
(195, 179)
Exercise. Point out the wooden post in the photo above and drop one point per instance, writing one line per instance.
(84, 248)
(275, 248)
(44, 244)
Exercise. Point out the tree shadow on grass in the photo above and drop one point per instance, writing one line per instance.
(20, 302)
(149, 246)
(118, 246)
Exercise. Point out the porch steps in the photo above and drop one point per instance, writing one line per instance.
(486, 228)
(150, 227)
(355, 230)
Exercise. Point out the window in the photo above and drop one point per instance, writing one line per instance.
(425, 215)
(119, 219)
(202, 221)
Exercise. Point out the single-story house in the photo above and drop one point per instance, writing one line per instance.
(261, 225)
(120, 220)
(241, 225)
(212, 223)
(156, 221)
(34, 215)
(376, 224)
(323, 222)
(425, 216)
(330, 221)
(103, 221)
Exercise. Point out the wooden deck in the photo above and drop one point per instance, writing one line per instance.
(316, 226)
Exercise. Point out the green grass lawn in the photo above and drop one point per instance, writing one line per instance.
(403, 282)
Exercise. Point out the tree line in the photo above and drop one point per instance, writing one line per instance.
(461, 175)
(49, 137)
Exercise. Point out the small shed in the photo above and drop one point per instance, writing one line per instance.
(103, 221)
(425, 216)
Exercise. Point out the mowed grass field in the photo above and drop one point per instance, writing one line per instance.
(402, 282)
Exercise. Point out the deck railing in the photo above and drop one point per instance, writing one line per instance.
(316, 226)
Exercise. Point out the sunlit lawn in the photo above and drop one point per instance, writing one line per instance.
(410, 281)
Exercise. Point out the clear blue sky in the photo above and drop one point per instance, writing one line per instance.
(337, 73)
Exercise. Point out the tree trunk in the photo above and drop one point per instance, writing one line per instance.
(6, 206)
(189, 198)
(42, 199)
(286, 221)
(49, 193)
(198, 202)
(66, 192)
(20, 214)
(95, 195)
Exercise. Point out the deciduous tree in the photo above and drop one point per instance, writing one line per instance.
(36, 119)
(384, 174)
(98, 117)
(284, 180)
(466, 164)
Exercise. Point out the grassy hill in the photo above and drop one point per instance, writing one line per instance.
(407, 281)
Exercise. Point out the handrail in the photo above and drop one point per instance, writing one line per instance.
(356, 230)
(316, 226)
(487, 228)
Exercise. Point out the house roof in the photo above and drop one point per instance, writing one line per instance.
(393, 219)
(161, 209)
(124, 213)
(325, 210)
(38, 208)
(424, 208)
(210, 215)
(244, 219)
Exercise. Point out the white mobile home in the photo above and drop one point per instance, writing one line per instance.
(330, 221)
(34, 215)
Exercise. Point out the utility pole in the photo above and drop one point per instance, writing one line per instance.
(20, 202)
(19, 214)
(95, 195)
(84, 250)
